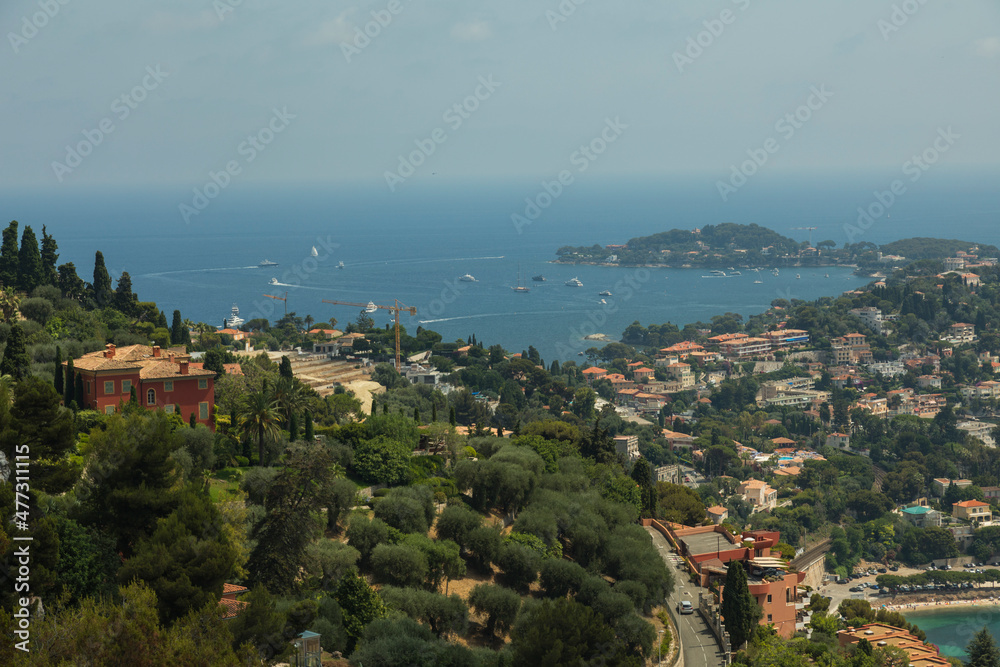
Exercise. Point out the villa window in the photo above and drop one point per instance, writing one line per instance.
(769, 618)
(168, 385)
(109, 409)
(109, 387)
(126, 386)
(768, 597)
(202, 383)
(151, 397)
(203, 410)
(170, 409)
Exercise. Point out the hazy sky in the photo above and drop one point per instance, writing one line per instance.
(337, 108)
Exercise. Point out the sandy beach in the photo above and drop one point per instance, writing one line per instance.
(940, 603)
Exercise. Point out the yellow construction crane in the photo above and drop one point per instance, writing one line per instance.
(280, 298)
(371, 307)
(810, 232)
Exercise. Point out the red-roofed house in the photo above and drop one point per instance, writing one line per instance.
(231, 607)
(975, 511)
(642, 373)
(594, 373)
(162, 379)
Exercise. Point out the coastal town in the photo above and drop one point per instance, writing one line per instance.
(798, 482)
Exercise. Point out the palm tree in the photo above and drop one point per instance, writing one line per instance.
(308, 319)
(259, 420)
(289, 397)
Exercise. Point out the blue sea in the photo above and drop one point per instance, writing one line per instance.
(952, 628)
(414, 244)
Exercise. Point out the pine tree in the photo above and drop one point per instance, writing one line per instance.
(49, 259)
(102, 281)
(29, 262)
(8, 256)
(983, 650)
(16, 362)
(69, 393)
(70, 284)
(58, 377)
(740, 611)
(293, 428)
(308, 434)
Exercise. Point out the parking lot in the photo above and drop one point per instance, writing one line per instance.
(864, 586)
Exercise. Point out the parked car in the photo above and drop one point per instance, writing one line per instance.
(894, 568)
(855, 589)
(842, 580)
(882, 570)
(685, 607)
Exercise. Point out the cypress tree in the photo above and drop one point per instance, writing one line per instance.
(78, 390)
(982, 650)
(740, 611)
(193, 421)
(385, 408)
(285, 368)
(434, 412)
(50, 275)
(8, 256)
(16, 362)
(308, 434)
(416, 415)
(125, 300)
(293, 428)
(58, 379)
(70, 284)
(102, 281)
(451, 416)
(69, 390)
(29, 262)
(133, 397)
(178, 330)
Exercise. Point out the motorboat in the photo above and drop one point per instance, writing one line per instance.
(273, 281)
(267, 262)
(604, 293)
(371, 307)
(468, 278)
(717, 272)
(573, 282)
(539, 278)
(758, 282)
(736, 273)
(797, 276)
(827, 275)
(340, 265)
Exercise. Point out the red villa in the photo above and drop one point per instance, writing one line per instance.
(163, 379)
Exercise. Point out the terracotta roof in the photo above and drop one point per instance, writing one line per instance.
(233, 588)
(593, 370)
(717, 509)
(972, 503)
(231, 608)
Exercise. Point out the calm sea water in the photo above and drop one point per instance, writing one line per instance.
(413, 246)
(951, 629)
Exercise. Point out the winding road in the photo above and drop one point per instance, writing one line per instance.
(698, 645)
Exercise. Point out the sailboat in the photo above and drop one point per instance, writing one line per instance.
(520, 289)
(314, 252)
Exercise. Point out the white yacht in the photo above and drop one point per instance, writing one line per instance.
(371, 307)
(717, 272)
(273, 281)
(797, 276)
(267, 262)
(468, 278)
(573, 282)
(340, 265)
(604, 293)
(234, 321)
